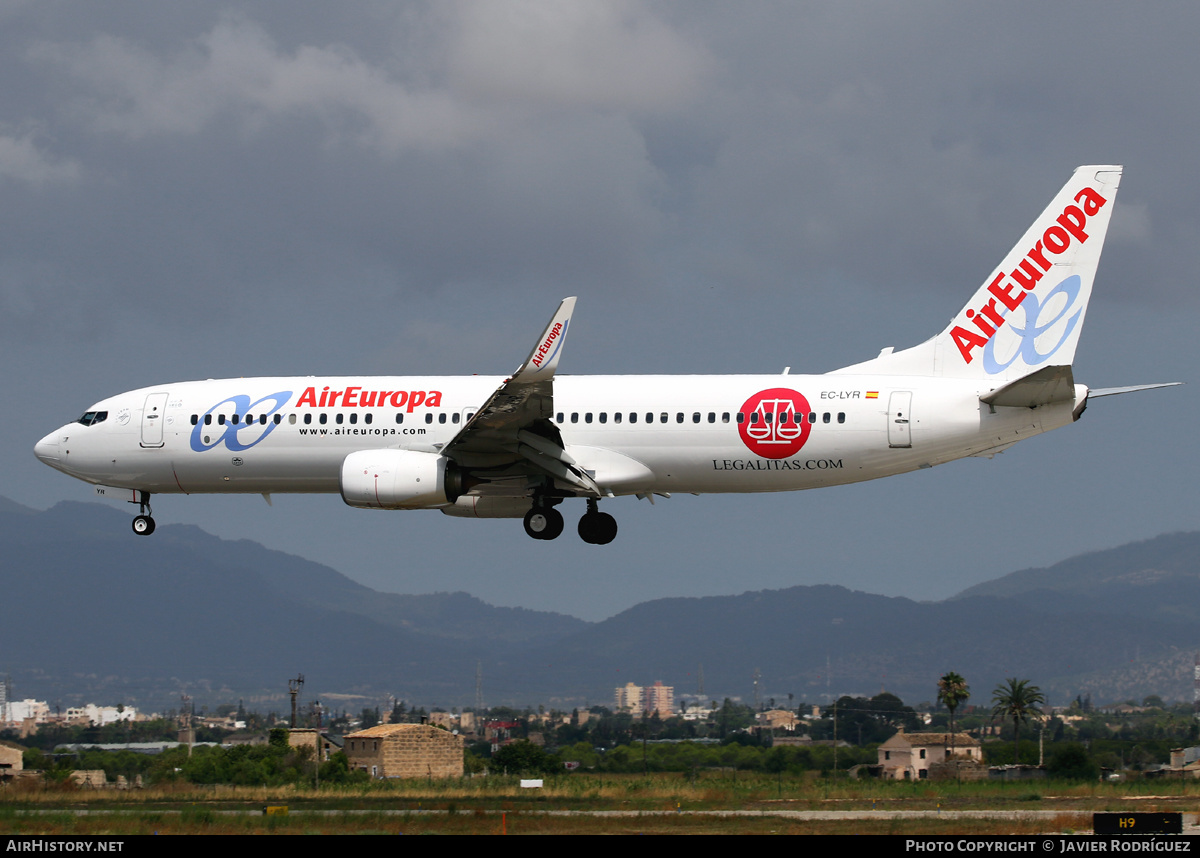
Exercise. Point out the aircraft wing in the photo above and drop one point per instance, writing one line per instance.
(513, 434)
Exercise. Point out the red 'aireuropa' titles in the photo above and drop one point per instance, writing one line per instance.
(1056, 239)
(356, 397)
(544, 348)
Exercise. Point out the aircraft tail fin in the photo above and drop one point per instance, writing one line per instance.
(1029, 311)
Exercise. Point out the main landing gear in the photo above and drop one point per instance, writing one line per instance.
(143, 525)
(597, 528)
(545, 522)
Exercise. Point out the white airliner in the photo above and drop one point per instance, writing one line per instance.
(517, 447)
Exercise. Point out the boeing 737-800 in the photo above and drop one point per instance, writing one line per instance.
(518, 447)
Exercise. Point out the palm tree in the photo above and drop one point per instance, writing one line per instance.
(1018, 701)
(952, 690)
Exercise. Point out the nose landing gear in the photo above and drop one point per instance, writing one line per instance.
(143, 525)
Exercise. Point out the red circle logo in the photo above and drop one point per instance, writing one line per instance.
(775, 423)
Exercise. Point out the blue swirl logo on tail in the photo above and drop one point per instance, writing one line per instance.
(1026, 347)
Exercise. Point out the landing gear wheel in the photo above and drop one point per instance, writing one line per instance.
(544, 523)
(597, 528)
(143, 525)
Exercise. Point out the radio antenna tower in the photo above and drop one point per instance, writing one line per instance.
(1196, 688)
(294, 686)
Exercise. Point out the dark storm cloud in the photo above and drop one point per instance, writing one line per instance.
(253, 188)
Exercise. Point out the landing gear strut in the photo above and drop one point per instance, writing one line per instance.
(597, 528)
(143, 525)
(543, 522)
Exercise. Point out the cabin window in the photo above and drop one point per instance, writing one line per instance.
(753, 418)
(741, 418)
(323, 419)
(220, 419)
(825, 417)
(712, 417)
(695, 416)
(353, 417)
(429, 417)
(338, 418)
(235, 420)
(616, 416)
(603, 416)
(399, 417)
(633, 417)
(454, 417)
(291, 419)
(725, 417)
(812, 417)
(841, 417)
(442, 417)
(195, 419)
(587, 418)
(574, 416)
(367, 417)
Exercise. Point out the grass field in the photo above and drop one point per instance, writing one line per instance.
(711, 803)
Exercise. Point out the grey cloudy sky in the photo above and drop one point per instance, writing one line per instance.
(263, 188)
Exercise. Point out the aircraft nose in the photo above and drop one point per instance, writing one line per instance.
(47, 449)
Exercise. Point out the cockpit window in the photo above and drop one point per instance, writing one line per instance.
(91, 418)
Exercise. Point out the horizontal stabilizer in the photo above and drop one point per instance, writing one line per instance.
(1113, 391)
(1052, 384)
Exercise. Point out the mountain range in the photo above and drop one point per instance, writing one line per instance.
(93, 614)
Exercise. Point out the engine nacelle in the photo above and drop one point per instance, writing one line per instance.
(399, 479)
(468, 506)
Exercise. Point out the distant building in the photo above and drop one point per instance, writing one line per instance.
(18, 711)
(314, 740)
(629, 698)
(653, 698)
(405, 751)
(909, 756)
(12, 759)
(659, 698)
(101, 715)
(778, 719)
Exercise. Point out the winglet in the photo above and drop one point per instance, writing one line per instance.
(543, 360)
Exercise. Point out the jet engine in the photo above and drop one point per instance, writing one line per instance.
(399, 479)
